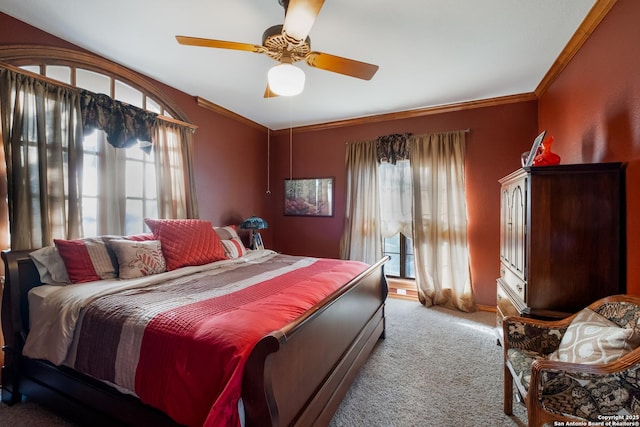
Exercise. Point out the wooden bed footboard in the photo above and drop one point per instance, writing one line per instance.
(299, 375)
(295, 376)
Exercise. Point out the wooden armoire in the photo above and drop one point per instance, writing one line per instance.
(561, 239)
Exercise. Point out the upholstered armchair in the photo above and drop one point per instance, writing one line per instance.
(585, 367)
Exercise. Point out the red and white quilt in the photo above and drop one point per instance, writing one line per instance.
(179, 340)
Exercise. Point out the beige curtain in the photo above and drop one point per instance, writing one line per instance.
(361, 239)
(42, 142)
(173, 146)
(440, 221)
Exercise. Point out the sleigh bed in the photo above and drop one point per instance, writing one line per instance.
(295, 374)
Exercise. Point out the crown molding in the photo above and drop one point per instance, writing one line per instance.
(597, 13)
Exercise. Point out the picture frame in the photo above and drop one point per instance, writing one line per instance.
(534, 148)
(309, 197)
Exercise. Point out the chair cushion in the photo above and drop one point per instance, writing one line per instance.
(592, 339)
(520, 361)
(592, 396)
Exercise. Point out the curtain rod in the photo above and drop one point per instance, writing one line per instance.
(467, 130)
(68, 86)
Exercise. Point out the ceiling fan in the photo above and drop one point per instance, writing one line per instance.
(289, 43)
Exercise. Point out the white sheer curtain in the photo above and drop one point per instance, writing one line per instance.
(396, 198)
(361, 239)
(440, 221)
(111, 185)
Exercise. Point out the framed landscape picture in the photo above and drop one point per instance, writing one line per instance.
(308, 197)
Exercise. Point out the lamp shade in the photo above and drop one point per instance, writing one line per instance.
(286, 80)
(254, 223)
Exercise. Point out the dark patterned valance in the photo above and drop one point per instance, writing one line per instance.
(124, 124)
(394, 147)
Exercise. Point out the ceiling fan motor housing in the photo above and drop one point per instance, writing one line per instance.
(278, 47)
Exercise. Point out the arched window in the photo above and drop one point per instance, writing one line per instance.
(125, 175)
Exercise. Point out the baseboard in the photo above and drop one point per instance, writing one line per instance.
(486, 308)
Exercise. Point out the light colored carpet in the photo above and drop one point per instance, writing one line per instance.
(436, 367)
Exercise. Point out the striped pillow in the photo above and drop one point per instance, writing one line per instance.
(87, 260)
(233, 246)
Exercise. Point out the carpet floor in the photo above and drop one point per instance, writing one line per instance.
(436, 367)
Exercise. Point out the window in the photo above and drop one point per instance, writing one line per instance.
(134, 173)
(400, 249)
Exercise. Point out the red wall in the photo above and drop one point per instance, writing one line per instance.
(593, 111)
(498, 135)
(227, 154)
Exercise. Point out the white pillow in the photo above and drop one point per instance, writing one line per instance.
(137, 259)
(50, 266)
(593, 339)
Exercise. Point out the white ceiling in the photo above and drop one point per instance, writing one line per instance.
(430, 52)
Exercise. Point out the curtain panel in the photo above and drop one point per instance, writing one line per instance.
(441, 252)
(173, 146)
(42, 142)
(361, 239)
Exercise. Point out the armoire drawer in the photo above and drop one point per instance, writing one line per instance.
(514, 282)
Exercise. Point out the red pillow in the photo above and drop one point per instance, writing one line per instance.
(186, 241)
(86, 259)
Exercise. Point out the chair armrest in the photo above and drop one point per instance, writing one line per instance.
(540, 336)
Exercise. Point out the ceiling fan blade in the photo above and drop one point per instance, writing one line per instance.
(196, 41)
(338, 64)
(268, 93)
(299, 18)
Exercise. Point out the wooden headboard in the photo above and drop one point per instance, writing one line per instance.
(21, 277)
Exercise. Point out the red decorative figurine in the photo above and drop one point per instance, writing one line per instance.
(545, 156)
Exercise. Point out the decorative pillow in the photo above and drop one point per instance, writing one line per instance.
(50, 266)
(86, 259)
(140, 237)
(138, 258)
(186, 241)
(233, 246)
(593, 339)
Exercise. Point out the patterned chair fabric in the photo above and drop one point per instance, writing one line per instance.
(569, 391)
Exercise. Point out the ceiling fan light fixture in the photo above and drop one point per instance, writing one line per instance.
(286, 80)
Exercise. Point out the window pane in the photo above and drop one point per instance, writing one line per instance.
(127, 94)
(151, 209)
(135, 179)
(60, 73)
(90, 175)
(392, 244)
(32, 68)
(410, 267)
(153, 106)
(408, 245)
(150, 181)
(135, 153)
(392, 267)
(94, 82)
(89, 216)
(134, 217)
